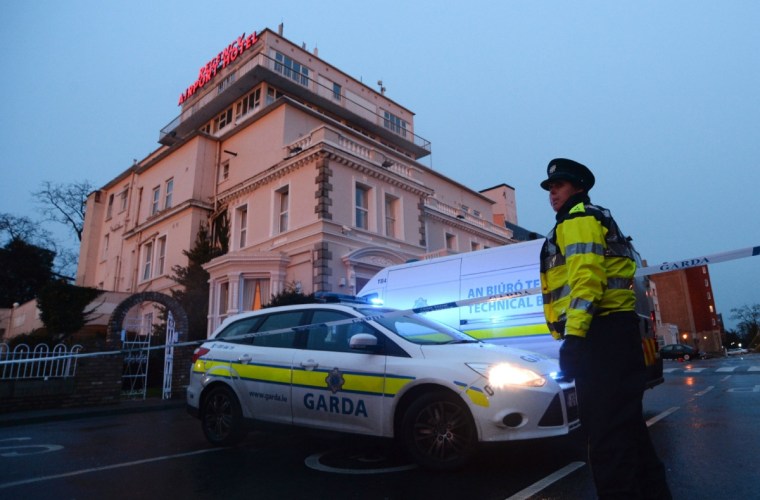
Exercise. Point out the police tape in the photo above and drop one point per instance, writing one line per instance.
(386, 314)
(699, 261)
(644, 271)
(391, 313)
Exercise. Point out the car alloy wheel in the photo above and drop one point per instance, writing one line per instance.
(221, 417)
(439, 432)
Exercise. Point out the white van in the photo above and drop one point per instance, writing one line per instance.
(471, 275)
(517, 321)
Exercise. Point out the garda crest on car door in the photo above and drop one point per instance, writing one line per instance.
(335, 387)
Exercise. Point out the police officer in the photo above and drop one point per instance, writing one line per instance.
(587, 268)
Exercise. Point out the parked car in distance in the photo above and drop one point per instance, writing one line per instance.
(736, 351)
(680, 351)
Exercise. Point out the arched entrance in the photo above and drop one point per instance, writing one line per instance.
(137, 355)
(364, 263)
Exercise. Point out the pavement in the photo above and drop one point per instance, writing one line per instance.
(57, 414)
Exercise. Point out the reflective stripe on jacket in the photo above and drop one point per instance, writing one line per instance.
(587, 268)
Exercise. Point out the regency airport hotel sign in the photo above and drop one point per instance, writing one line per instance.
(221, 61)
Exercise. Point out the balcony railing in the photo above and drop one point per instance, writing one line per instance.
(465, 216)
(359, 149)
(314, 87)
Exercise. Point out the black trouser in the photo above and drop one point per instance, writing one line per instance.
(610, 390)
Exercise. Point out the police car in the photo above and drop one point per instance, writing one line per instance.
(369, 370)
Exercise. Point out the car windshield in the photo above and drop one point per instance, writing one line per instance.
(417, 329)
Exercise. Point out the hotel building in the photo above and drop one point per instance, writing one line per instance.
(311, 178)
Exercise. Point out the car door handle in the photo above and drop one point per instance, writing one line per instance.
(245, 359)
(309, 364)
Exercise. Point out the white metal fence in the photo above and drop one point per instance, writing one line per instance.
(24, 362)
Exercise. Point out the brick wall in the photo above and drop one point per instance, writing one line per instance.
(97, 383)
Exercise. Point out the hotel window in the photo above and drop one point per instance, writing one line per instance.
(242, 217)
(451, 241)
(474, 245)
(391, 209)
(291, 69)
(225, 83)
(147, 260)
(156, 198)
(224, 119)
(249, 103)
(224, 173)
(362, 206)
(255, 292)
(169, 193)
(123, 199)
(109, 209)
(336, 91)
(395, 124)
(224, 292)
(161, 257)
(283, 203)
(105, 246)
(272, 95)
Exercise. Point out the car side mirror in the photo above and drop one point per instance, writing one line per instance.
(363, 342)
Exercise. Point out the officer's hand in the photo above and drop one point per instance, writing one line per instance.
(571, 356)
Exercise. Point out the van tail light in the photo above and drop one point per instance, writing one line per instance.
(201, 351)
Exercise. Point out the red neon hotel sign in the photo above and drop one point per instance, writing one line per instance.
(221, 61)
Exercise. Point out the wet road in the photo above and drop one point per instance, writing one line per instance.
(703, 423)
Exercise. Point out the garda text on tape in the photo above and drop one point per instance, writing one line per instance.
(699, 261)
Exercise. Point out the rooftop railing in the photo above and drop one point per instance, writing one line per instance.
(304, 81)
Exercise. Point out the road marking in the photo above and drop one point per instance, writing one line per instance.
(313, 462)
(662, 415)
(694, 370)
(106, 467)
(754, 369)
(705, 391)
(547, 481)
(745, 389)
(726, 369)
(670, 370)
(544, 483)
(725, 378)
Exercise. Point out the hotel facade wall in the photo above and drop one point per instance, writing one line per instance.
(318, 194)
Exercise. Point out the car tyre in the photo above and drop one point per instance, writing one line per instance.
(438, 431)
(686, 357)
(221, 417)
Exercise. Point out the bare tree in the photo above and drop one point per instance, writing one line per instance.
(13, 227)
(65, 203)
(749, 322)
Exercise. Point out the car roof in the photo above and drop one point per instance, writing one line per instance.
(337, 306)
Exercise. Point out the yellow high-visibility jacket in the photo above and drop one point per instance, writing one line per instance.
(587, 268)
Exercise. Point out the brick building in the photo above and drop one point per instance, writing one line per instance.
(685, 308)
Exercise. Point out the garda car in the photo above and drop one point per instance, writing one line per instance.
(363, 369)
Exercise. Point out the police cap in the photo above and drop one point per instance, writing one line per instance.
(562, 169)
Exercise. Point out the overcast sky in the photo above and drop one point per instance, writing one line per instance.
(660, 99)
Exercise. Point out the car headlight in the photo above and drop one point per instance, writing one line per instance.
(504, 374)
